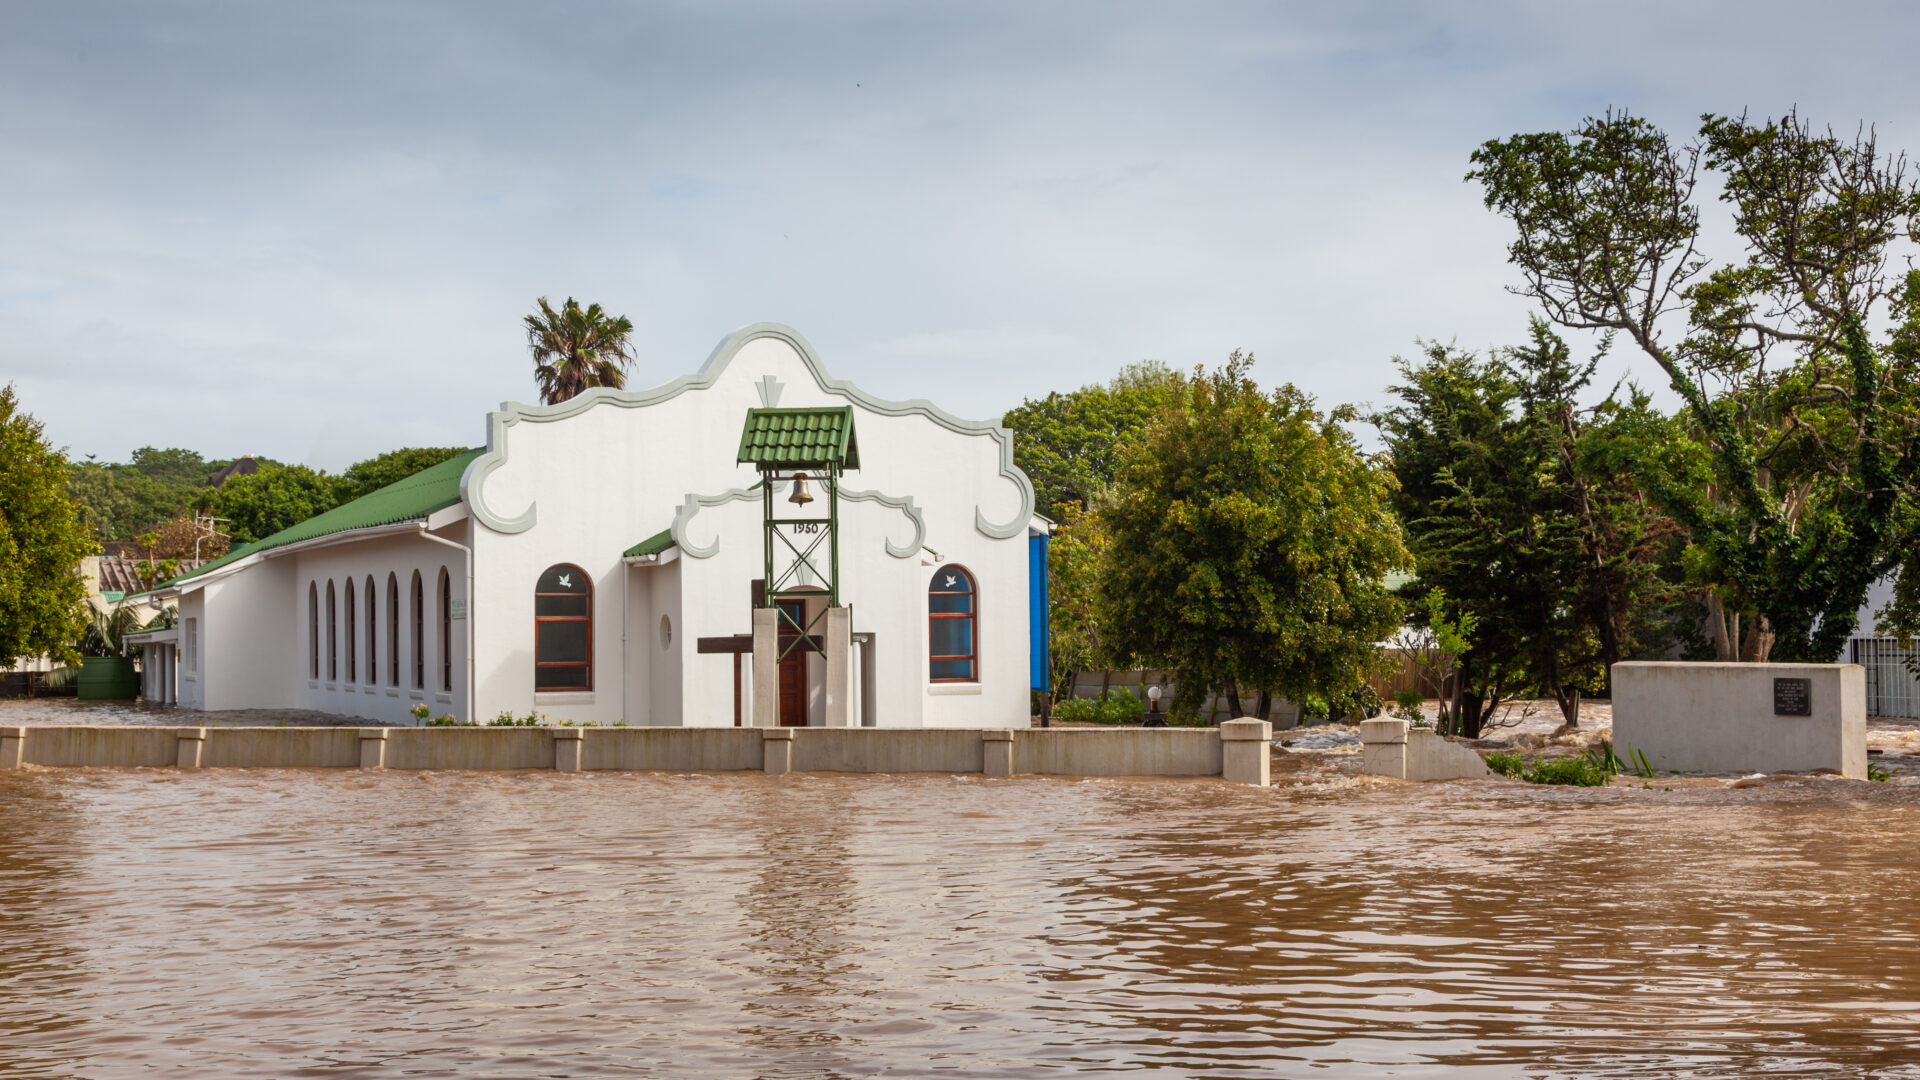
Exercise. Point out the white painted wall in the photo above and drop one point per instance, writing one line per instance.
(242, 645)
(373, 694)
(608, 473)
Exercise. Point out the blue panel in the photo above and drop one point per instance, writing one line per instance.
(1040, 659)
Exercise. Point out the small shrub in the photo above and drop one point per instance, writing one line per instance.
(1408, 706)
(1120, 706)
(1588, 771)
(1875, 772)
(1506, 764)
(420, 713)
(1576, 772)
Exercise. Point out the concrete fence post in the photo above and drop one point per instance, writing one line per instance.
(191, 741)
(13, 746)
(569, 749)
(776, 751)
(373, 748)
(1246, 754)
(1383, 747)
(997, 751)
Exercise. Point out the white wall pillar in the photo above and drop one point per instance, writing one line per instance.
(1246, 755)
(766, 668)
(839, 691)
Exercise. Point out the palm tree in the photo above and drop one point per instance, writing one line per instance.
(574, 349)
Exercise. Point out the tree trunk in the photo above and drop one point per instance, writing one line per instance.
(1233, 701)
(1265, 705)
(1568, 698)
(1467, 723)
(1759, 643)
(1726, 642)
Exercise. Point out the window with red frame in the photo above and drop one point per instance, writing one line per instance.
(952, 611)
(563, 630)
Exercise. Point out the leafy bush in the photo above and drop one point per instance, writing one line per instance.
(1578, 772)
(507, 719)
(1120, 706)
(1589, 771)
(1506, 764)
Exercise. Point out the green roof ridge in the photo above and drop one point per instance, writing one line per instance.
(652, 545)
(433, 488)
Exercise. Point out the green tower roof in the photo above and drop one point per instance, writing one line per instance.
(783, 438)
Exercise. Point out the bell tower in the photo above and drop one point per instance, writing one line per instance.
(801, 454)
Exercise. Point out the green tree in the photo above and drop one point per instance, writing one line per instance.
(1807, 424)
(365, 477)
(1250, 539)
(1074, 557)
(1069, 444)
(575, 348)
(272, 499)
(1523, 507)
(42, 540)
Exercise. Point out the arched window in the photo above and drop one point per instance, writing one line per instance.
(313, 630)
(446, 632)
(348, 642)
(393, 630)
(419, 639)
(333, 640)
(373, 645)
(563, 630)
(952, 608)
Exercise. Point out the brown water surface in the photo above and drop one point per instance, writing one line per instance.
(347, 924)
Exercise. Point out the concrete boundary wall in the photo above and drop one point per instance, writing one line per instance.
(1238, 749)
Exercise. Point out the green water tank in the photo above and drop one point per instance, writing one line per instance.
(108, 678)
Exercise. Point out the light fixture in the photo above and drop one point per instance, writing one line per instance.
(1153, 717)
(800, 496)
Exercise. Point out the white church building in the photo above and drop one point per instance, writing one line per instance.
(757, 542)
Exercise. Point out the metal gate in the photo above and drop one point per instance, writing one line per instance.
(1893, 676)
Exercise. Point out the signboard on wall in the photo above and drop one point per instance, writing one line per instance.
(1793, 697)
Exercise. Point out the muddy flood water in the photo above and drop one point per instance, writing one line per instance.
(346, 924)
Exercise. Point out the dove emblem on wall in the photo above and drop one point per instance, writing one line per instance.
(566, 581)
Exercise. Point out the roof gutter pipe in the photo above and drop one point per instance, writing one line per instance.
(467, 552)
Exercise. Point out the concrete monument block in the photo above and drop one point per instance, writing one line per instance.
(192, 741)
(569, 749)
(1246, 751)
(373, 748)
(13, 746)
(776, 751)
(1744, 718)
(997, 751)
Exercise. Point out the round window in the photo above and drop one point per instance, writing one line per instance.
(666, 631)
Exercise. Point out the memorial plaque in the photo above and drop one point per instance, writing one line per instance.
(1793, 697)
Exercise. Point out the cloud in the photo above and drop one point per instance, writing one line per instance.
(311, 232)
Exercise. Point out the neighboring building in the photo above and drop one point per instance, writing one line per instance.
(601, 560)
(243, 466)
(1893, 685)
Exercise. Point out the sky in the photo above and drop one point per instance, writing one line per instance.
(310, 231)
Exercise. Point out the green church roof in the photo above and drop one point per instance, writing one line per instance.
(798, 437)
(411, 499)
